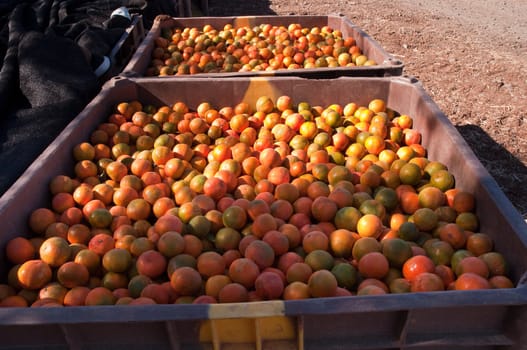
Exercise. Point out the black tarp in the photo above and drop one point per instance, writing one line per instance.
(49, 51)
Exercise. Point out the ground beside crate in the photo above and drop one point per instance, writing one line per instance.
(387, 65)
(486, 319)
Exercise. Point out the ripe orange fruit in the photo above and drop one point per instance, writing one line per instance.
(470, 281)
(417, 265)
(100, 296)
(322, 283)
(186, 281)
(210, 264)
(233, 293)
(72, 274)
(55, 251)
(296, 290)
(341, 242)
(19, 250)
(151, 263)
(101, 243)
(479, 243)
(373, 265)
(427, 282)
(117, 260)
(34, 274)
(463, 202)
(323, 209)
(40, 219)
(453, 234)
(369, 225)
(472, 264)
(315, 240)
(431, 197)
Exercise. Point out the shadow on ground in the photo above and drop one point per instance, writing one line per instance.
(495, 158)
(240, 8)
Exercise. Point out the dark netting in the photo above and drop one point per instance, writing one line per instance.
(51, 62)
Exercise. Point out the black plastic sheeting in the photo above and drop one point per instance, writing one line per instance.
(49, 52)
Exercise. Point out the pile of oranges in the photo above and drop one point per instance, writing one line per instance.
(265, 47)
(277, 200)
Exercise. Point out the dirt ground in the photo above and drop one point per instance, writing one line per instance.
(471, 57)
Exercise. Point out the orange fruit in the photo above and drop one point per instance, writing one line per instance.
(262, 224)
(186, 281)
(427, 282)
(76, 296)
(425, 219)
(463, 202)
(261, 253)
(409, 202)
(453, 234)
(40, 219)
(101, 243)
(346, 275)
(417, 265)
(167, 223)
(233, 293)
(365, 245)
(410, 174)
(446, 274)
(100, 296)
(193, 245)
(34, 274)
(72, 274)
(431, 197)
(319, 260)
(347, 218)
(399, 285)
(442, 179)
(227, 238)
(372, 282)
(471, 281)
(88, 258)
(440, 252)
(19, 250)
(296, 290)
(479, 243)
(468, 221)
(373, 265)
(234, 217)
(117, 260)
(500, 282)
(151, 263)
(323, 209)
(278, 241)
(170, 243)
(496, 263)
(369, 225)
(155, 292)
(397, 251)
(298, 271)
(55, 251)
(137, 284)
(341, 242)
(210, 264)
(315, 240)
(322, 283)
(215, 283)
(472, 264)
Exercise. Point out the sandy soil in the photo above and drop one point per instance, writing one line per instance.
(471, 57)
